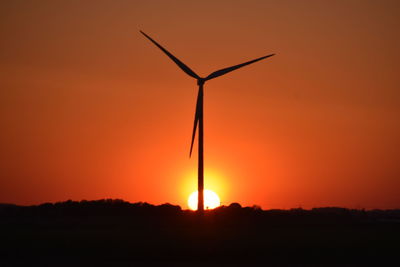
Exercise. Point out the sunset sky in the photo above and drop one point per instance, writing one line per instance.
(91, 109)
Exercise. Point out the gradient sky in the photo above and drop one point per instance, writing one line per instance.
(91, 109)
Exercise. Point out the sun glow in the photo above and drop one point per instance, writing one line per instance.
(211, 200)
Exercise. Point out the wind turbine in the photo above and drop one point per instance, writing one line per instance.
(198, 117)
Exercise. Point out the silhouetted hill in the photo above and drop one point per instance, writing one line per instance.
(112, 230)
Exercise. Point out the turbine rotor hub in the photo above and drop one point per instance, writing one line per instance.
(201, 81)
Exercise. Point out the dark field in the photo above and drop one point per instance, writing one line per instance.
(117, 233)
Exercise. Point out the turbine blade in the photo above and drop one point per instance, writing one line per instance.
(221, 72)
(180, 64)
(196, 122)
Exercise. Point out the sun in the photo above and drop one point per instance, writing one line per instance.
(211, 200)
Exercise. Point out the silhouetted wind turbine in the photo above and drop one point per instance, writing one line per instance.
(198, 117)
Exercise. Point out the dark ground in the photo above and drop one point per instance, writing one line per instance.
(117, 233)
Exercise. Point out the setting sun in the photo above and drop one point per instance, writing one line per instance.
(211, 200)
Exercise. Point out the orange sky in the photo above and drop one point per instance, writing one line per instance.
(91, 109)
